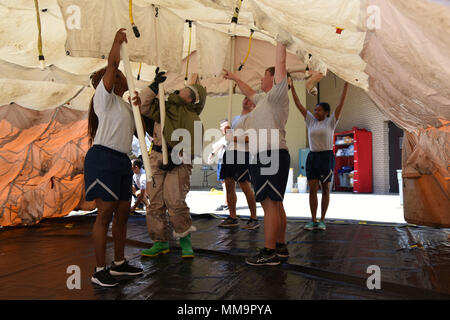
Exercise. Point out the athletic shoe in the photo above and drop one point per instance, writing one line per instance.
(282, 252)
(311, 226)
(252, 224)
(159, 247)
(124, 269)
(186, 247)
(265, 257)
(321, 225)
(222, 208)
(104, 278)
(229, 222)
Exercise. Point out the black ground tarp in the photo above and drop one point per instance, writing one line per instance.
(414, 262)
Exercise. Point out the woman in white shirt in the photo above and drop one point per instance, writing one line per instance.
(320, 162)
(107, 167)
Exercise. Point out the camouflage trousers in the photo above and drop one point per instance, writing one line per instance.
(167, 194)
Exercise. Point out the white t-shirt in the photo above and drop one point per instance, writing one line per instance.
(320, 133)
(271, 112)
(140, 179)
(115, 120)
(222, 142)
(238, 130)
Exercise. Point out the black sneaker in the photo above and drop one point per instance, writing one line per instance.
(252, 224)
(104, 278)
(229, 222)
(222, 208)
(282, 252)
(265, 257)
(125, 269)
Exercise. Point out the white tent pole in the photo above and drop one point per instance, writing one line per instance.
(131, 89)
(234, 22)
(136, 112)
(162, 101)
(231, 83)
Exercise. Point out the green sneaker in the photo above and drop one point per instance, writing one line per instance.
(321, 226)
(311, 226)
(186, 247)
(158, 248)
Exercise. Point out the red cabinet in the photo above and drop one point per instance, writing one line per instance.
(353, 152)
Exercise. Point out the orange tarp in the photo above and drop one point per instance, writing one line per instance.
(41, 163)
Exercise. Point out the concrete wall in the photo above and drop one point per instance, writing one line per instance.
(216, 110)
(359, 111)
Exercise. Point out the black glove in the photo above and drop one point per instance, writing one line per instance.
(159, 78)
(171, 165)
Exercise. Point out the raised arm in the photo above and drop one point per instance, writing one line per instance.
(280, 63)
(114, 60)
(245, 88)
(296, 99)
(338, 111)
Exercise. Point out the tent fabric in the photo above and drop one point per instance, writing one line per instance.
(40, 95)
(214, 48)
(51, 73)
(41, 163)
(396, 51)
(408, 62)
(95, 37)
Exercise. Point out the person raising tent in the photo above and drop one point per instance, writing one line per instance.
(171, 183)
(235, 168)
(270, 167)
(320, 161)
(107, 167)
(218, 148)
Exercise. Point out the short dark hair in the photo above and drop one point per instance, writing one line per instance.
(223, 121)
(271, 70)
(138, 163)
(326, 107)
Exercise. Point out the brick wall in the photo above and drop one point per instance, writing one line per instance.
(360, 111)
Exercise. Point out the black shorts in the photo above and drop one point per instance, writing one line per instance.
(235, 165)
(320, 166)
(107, 174)
(269, 176)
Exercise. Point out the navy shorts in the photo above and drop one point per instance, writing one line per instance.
(235, 165)
(107, 174)
(320, 166)
(269, 176)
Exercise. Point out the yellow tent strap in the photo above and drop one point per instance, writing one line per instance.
(135, 28)
(150, 149)
(189, 49)
(38, 18)
(236, 12)
(248, 51)
(139, 72)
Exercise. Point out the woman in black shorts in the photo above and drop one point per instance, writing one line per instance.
(320, 161)
(107, 167)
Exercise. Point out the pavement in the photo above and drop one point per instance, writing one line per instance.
(348, 206)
